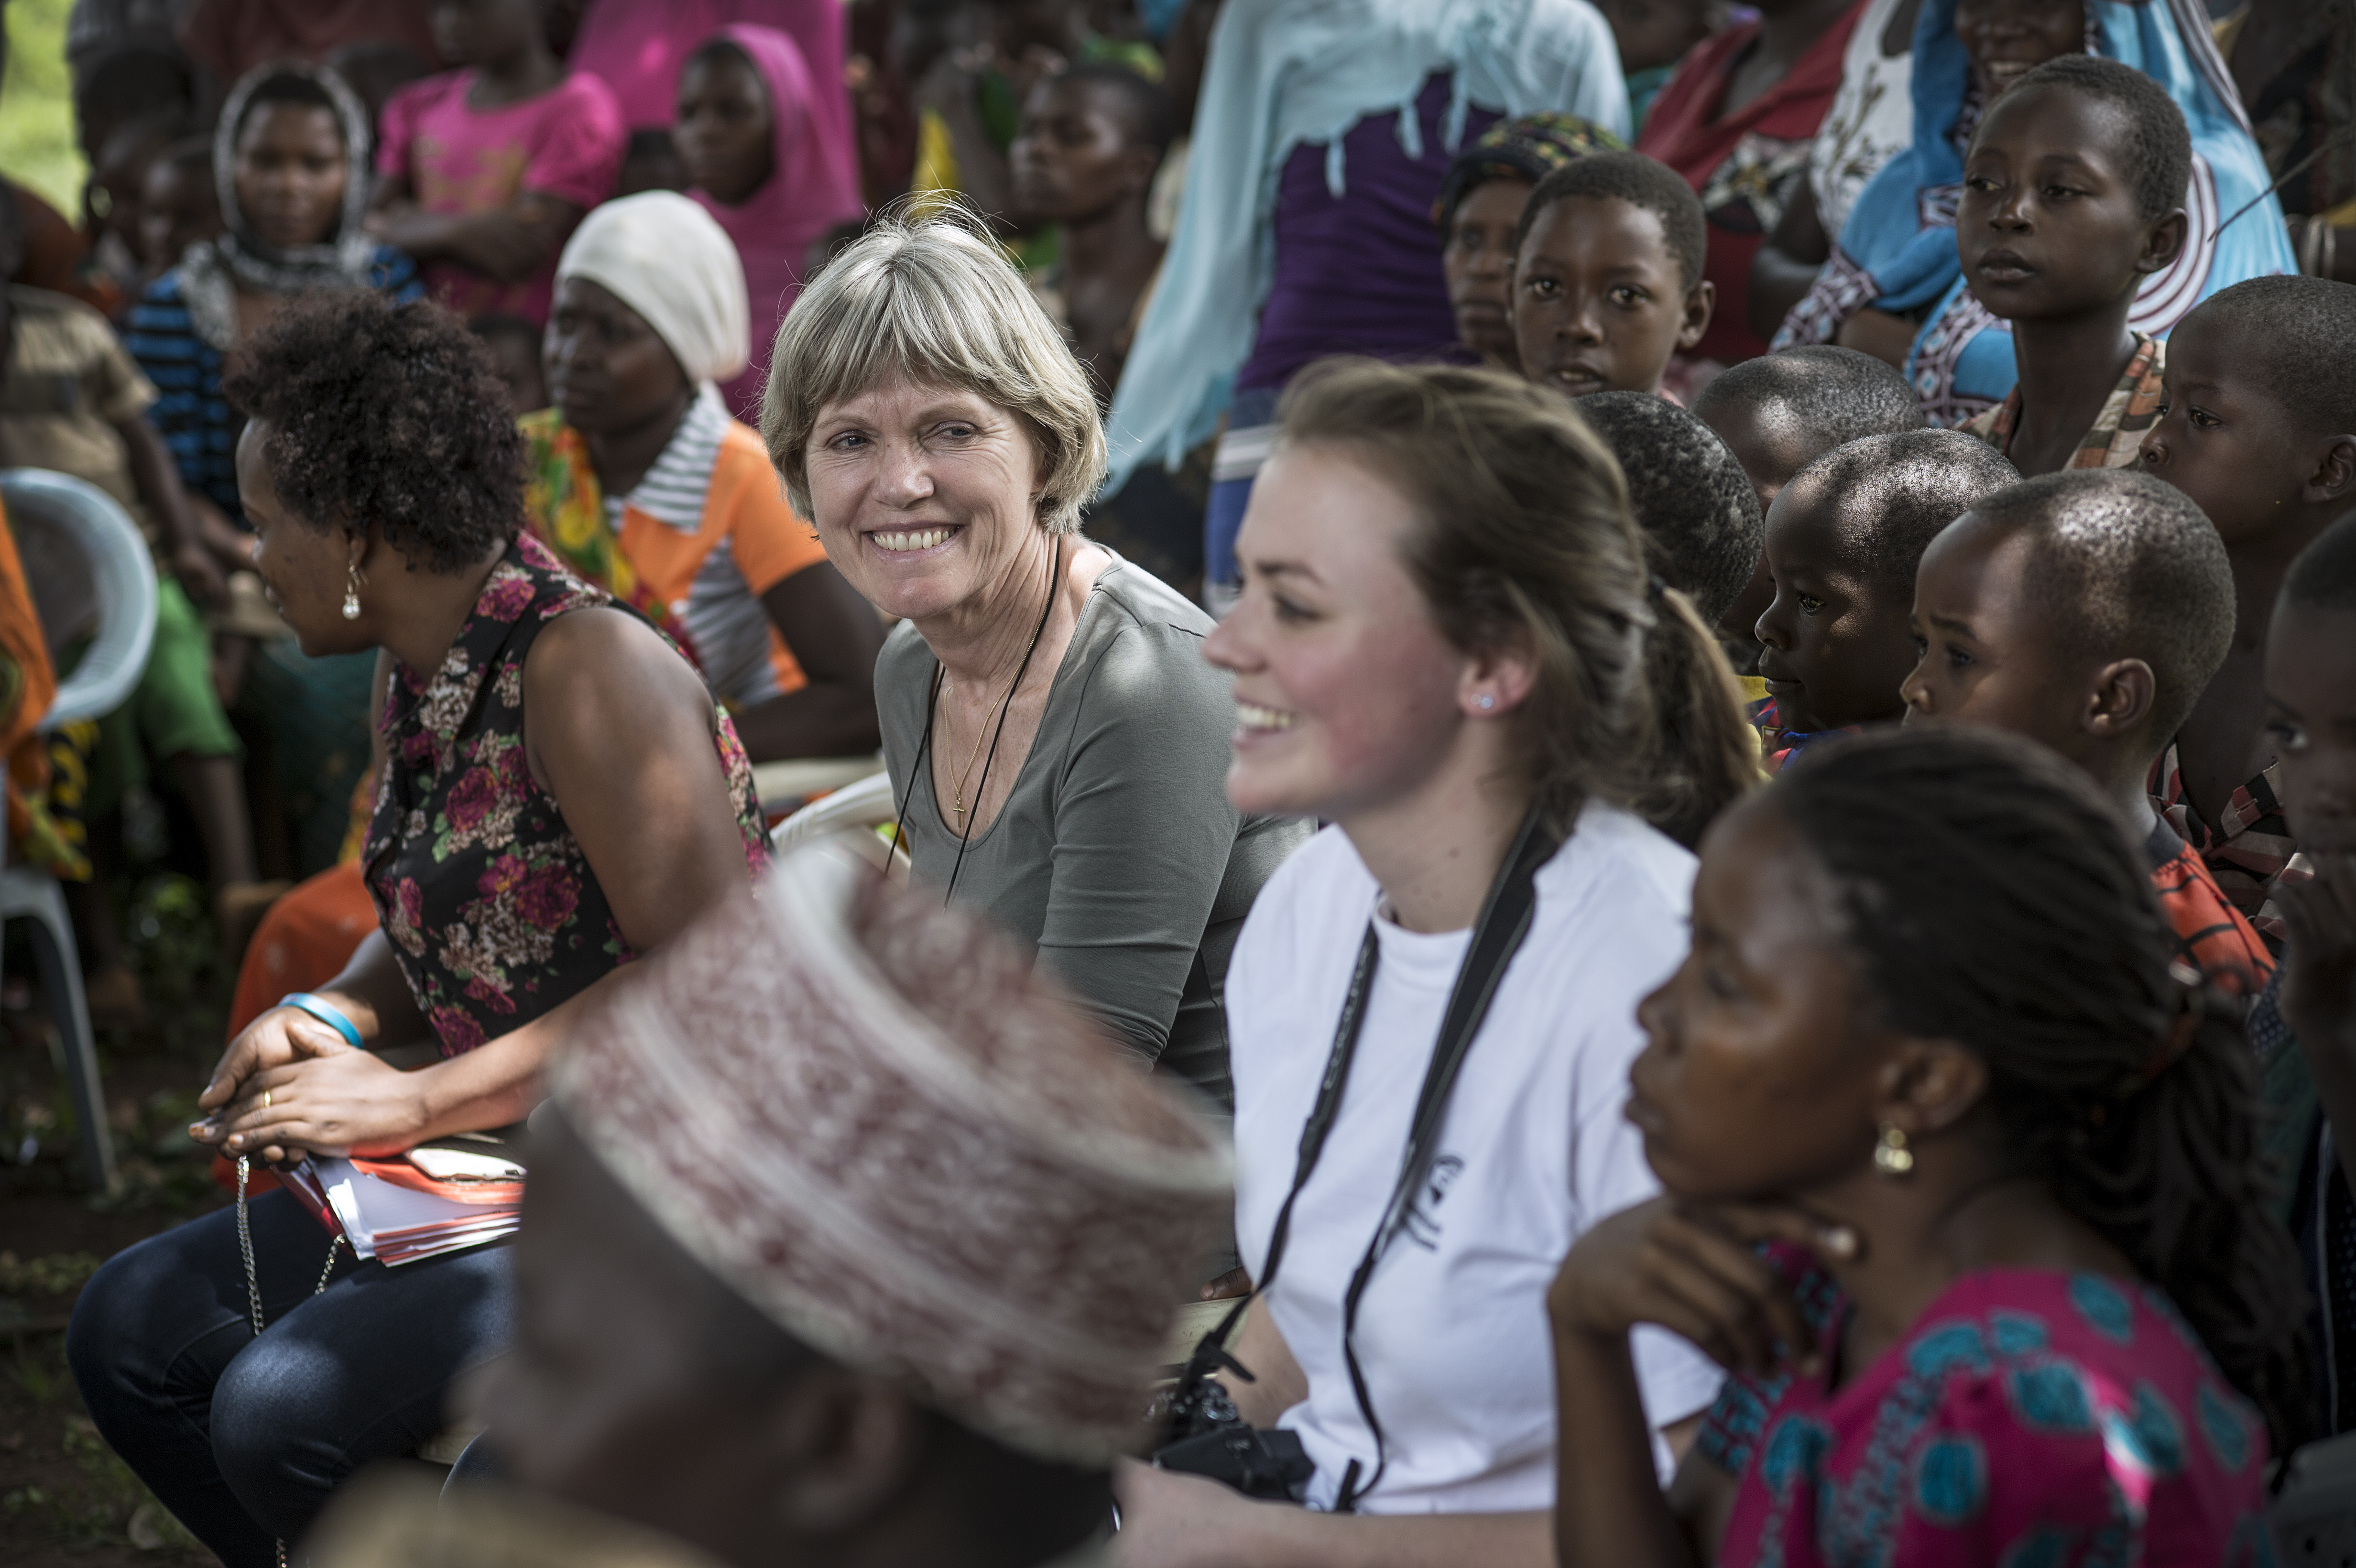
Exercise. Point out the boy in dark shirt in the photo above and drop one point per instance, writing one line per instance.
(1777, 415)
(2259, 429)
(2303, 1028)
(1607, 275)
(1843, 540)
(2086, 611)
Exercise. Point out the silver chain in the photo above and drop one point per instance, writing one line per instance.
(253, 1279)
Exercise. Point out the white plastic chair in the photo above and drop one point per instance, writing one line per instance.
(848, 817)
(89, 575)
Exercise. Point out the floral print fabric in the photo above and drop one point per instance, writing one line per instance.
(2031, 1418)
(493, 911)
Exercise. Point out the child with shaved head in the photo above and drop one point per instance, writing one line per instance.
(2086, 609)
(2258, 427)
(1694, 504)
(1777, 415)
(1843, 540)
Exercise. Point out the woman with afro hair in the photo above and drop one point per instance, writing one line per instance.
(559, 795)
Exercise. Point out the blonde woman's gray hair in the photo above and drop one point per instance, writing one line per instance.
(931, 299)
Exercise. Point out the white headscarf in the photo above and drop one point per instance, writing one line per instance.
(665, 258)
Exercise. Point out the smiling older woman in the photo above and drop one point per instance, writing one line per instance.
(1054, 738)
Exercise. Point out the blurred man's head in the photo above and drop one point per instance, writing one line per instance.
(845, 1238)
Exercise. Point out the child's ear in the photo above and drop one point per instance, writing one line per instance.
(2162, 240)
(1700, 301)
(2333, 478)
(2121, 699)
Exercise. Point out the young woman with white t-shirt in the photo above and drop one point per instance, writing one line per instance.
(1447, 634)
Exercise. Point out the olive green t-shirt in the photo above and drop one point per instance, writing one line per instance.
(1117, 858)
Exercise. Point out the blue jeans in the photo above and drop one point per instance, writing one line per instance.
(243, 1439)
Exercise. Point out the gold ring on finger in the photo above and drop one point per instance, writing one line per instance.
(265, 1099)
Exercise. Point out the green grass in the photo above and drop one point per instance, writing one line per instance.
(36, 129)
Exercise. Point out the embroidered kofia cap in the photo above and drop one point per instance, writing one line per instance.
(865, 1115)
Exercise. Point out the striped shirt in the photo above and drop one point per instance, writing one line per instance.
(2250, 852)
(194, 421)
(2116, 439)
(726, 624)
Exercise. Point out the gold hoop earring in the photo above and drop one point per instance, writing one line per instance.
(1891, 1154)
(352, 580)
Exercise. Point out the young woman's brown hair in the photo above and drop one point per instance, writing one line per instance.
(1529, 543)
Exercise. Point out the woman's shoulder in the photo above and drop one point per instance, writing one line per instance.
(1143, 641)
(1321, 892)
(1621, 875)
(2044, 1363)
(1130, 591)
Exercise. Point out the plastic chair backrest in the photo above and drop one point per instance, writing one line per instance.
(848, 815)
(88, 570)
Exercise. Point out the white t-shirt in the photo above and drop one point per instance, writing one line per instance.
(1870, 121)
(1452, 1333)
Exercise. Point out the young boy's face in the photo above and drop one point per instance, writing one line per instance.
(1599, 302)
(2311, 716)
(2225, 440)
(1772, 445)
(2046, 226)
(1835, 642)
(1987, 655)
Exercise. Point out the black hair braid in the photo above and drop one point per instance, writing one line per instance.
(1993, 899)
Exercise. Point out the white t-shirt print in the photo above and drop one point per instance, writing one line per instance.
(1452, 1333)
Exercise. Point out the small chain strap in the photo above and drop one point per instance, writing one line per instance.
(245, 1246)
(253, 1279)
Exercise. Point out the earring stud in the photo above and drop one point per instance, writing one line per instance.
(1485, 702)
(1891, 1154)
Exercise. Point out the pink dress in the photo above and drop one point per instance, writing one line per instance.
(2031, 1418)
(567, 144)
(813, 185)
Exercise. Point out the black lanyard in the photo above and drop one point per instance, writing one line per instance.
(1497, 937)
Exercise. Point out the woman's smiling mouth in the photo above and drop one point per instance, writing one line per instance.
(910, 542)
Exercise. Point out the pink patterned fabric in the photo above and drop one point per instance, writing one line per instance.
(636, 46)
(864, 1113)
(493, 910)
(813, 185)
(2031, 1418)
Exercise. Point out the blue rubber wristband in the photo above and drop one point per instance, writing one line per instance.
(327, 1013)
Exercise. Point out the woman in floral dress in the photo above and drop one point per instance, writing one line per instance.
(559, 795)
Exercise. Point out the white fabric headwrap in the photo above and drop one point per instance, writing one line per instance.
(665, 258)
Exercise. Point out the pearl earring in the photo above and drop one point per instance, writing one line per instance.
(353, 590)
(1485, 702)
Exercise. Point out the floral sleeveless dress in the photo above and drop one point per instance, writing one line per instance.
(493, 913)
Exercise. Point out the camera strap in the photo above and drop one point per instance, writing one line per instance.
(1505, 921)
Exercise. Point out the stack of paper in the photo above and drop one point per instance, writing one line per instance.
(399, 1211)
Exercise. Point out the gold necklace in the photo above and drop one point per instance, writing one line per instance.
(974, 755)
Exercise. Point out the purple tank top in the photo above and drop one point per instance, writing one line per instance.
(1361, 274)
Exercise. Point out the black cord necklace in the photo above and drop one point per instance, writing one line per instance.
(932, 712)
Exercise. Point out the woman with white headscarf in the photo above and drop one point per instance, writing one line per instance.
(641, 482)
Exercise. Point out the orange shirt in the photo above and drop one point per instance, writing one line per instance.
(696, 544)
(2209, 931)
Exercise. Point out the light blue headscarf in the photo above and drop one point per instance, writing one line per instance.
(1285, 72)
(1898, 251)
